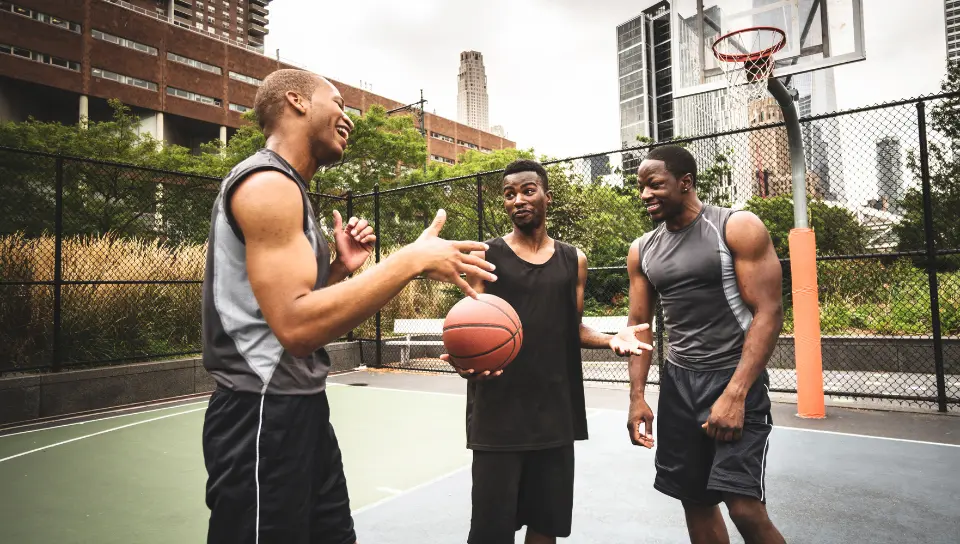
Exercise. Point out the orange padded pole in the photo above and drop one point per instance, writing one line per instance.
(806, 323)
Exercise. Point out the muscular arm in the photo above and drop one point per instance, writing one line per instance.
(282, 269)
(589, 338)
(641, 311)
(759, 278)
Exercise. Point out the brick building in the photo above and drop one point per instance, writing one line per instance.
(188, 68)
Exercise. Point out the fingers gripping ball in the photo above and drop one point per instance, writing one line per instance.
(482, 334)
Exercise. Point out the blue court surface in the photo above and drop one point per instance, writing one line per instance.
(137, 476)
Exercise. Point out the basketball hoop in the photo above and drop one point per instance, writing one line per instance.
(746, 58)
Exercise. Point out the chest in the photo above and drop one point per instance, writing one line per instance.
(683, 261)
(540, 289)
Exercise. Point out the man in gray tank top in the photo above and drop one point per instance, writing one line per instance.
(272, 298)
(719, 282)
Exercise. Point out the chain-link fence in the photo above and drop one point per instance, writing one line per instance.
(102, 262)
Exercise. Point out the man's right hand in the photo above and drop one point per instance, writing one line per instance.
(445, 260)
(640, 414)
(470, 374)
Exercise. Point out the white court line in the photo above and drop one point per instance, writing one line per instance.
(410, 490)
(98, 433)
(624, 411)
(788, 428)
(104, 418)
(440, 393)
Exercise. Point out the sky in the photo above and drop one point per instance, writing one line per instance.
(551, 64)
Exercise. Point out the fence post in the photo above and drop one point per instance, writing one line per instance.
(931, 257)
(345, 219)
(479, 208)
(376, 232)
(58, 270)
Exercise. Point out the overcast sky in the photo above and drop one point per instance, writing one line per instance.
(551, 64)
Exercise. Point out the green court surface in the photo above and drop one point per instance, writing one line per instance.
(140, 477)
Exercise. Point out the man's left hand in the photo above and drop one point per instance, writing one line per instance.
(627, 341)
(354, 241)
(725, 423)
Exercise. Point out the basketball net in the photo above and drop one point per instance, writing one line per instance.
(746, 58)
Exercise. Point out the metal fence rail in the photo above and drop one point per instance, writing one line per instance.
(103, 262)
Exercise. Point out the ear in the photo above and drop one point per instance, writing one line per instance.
(295, 100)
(686, 183)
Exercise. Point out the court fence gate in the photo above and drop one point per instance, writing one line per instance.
(102, 263)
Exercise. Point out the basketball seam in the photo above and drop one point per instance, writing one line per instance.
(471, 325)
(512, 336)
(514, 323)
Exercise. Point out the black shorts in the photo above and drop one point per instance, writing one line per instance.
(274, 471)
(513, 489)
(690, 465)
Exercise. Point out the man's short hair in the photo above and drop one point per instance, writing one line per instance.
(271, 99)
(677, 160)
(527, 165)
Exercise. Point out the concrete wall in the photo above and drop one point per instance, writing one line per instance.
(849, 353)
(26, 398)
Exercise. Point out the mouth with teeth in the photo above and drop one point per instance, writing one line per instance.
(343, 131)
(653, 207)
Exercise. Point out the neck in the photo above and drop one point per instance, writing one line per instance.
(691, 209)
(534, 239)
(295, 151)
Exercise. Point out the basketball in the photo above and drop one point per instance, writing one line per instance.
(482, 334)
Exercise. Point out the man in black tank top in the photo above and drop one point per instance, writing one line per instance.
(718, 279)
(522, 421)
(272, 298)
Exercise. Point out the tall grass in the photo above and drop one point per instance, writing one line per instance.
(101, 321)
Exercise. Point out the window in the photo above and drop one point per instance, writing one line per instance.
(199, 25)
(239, 20)
(211, 20)
(225, 34)
(42, 58)
(42, 17)
(246, 79)
(124, 42)
(195, 63)
(438, 158)
(180, 93)
(126, 80)
(351, 109)
(211, 9)
(443, 137)
(239, 108)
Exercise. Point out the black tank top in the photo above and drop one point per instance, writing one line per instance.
(538, 401)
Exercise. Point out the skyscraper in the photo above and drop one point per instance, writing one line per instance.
(472, 107)
(890, 172)
(952, 9)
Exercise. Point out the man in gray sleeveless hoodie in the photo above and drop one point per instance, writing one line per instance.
(272, 298)
(719, 281)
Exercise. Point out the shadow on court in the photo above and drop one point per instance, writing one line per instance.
(138, 476)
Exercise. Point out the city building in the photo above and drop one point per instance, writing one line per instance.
(472, 100)
(61, 61)
(890, 189)
(770, 155)
(952, 12)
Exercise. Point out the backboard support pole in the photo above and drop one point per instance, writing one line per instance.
(803, 267)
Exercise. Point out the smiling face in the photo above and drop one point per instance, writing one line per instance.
(662, 193)
(525, 200)
(328, 124)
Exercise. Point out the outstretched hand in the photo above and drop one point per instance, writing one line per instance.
(444, 260)
(470, 374)
(355, 241)
(627, 341)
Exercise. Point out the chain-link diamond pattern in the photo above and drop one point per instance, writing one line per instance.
(133, 247)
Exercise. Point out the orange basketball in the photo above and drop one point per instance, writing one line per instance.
(482, 334)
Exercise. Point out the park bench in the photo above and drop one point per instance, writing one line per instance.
(434, 327)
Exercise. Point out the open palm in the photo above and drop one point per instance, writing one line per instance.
(355, 241)
(627, 341)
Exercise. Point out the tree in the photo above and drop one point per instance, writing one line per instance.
(838, 231)
(943, 141)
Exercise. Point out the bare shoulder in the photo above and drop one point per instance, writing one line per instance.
(266, 200)
(581, 257)
(746, 233)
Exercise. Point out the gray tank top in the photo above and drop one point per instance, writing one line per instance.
(240, 350)
(692, 270)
